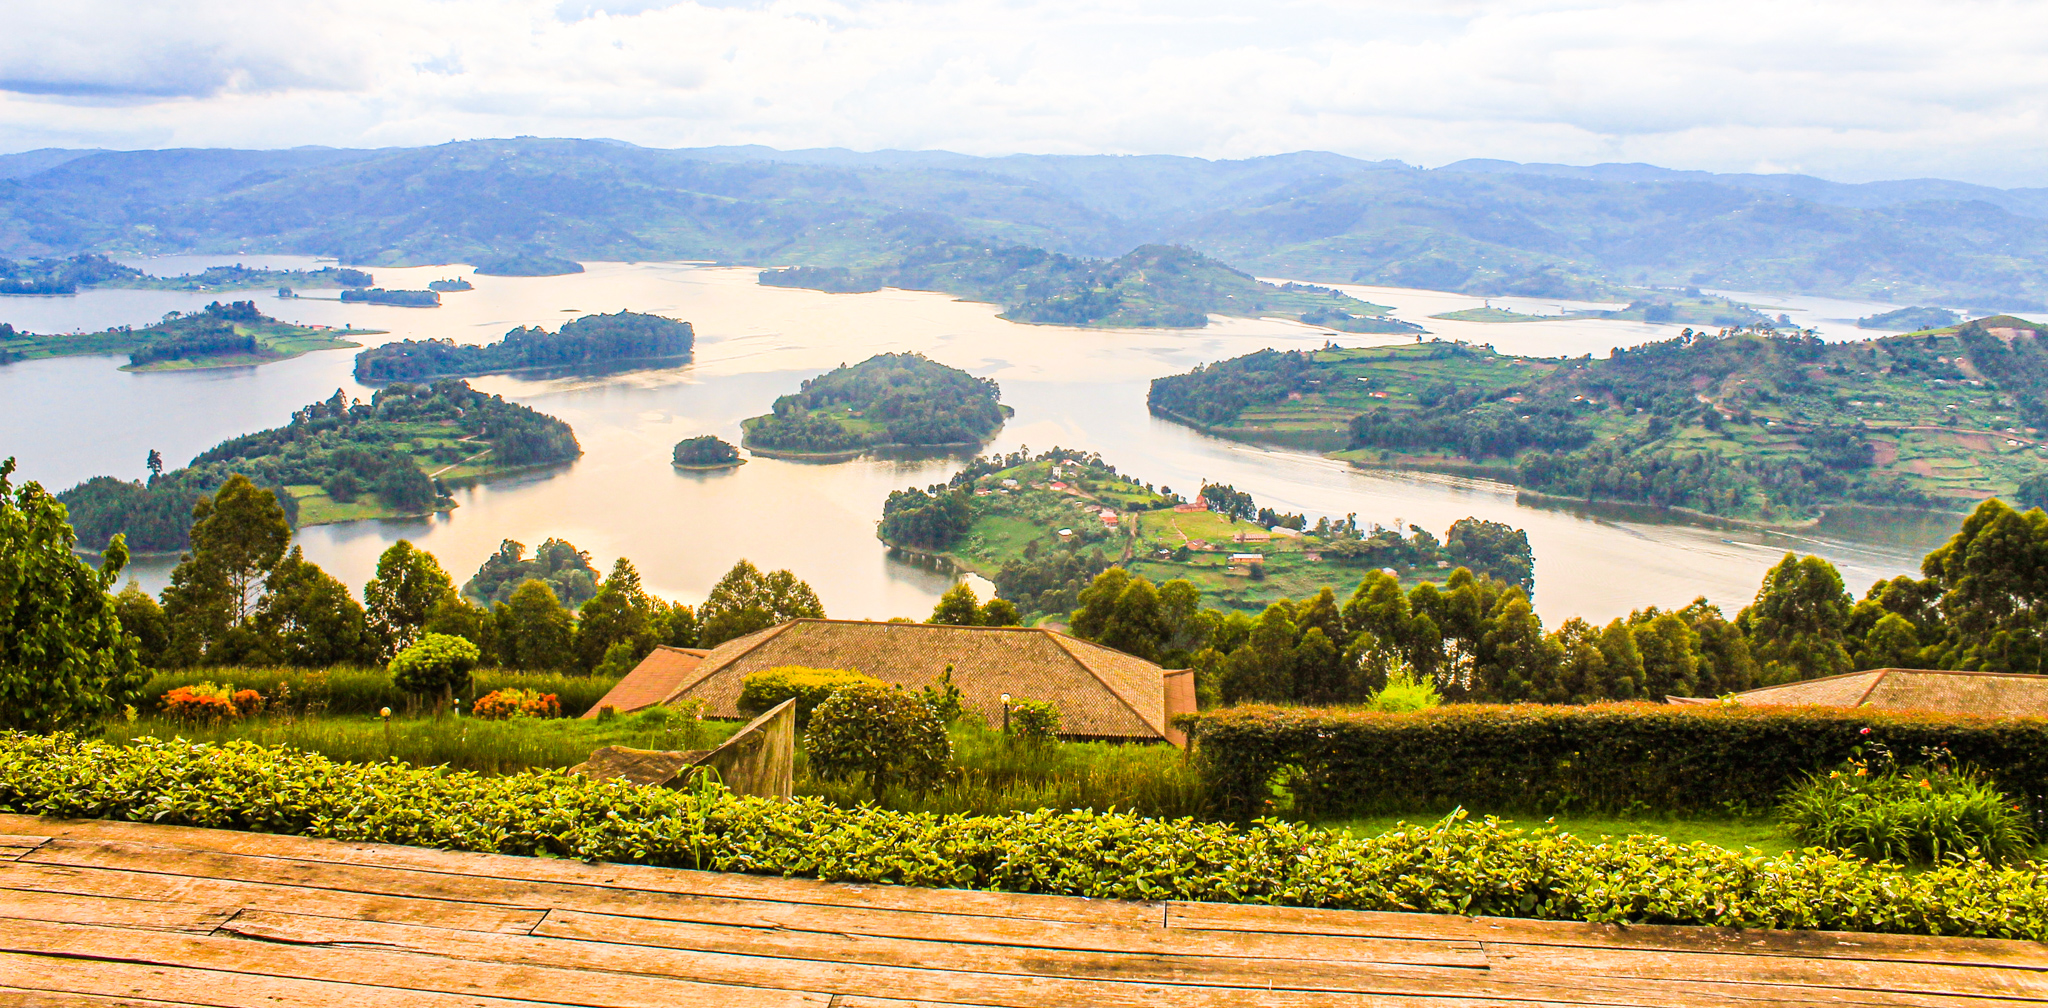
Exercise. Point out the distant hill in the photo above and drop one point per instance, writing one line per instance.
(1476, 226)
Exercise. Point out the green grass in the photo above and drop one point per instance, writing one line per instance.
(1733, 834)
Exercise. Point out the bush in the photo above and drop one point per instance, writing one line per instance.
(1035, 720)
(1615, 757)
(436, 663)
(1404, 693)
(498, 705)
(1916, 815)
(1457, 866)
(201, 702)
(809, 687)
(887, 736)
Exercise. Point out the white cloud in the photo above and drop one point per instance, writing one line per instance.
(1851, 90)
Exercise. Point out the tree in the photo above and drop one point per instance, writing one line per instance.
(999, 612)
(1892, 643)
(1992, 576)
(889, 736)
(1137, 622)
(142, 619)
(535, 631)
(1581, 674)
(155, 462)
(1260, 669)
(1666, 645)
(242, 533)
(459, 617)
(1096, 601)
(1621, 665)
(675, 624)
(1317, 669)
(435, 665)
(408, 585)
(65, 660)
(1725, 663)
(957, 607)
(746, 601)
(308, 619)
(619, 616)
(1795, 626)
(2032, 491)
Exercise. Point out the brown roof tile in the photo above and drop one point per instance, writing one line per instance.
(655, 679)
(1101, 693)
(1999, 694)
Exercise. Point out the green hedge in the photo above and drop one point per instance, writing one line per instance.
(349, 690)
(1456, 866)
(1611, 757)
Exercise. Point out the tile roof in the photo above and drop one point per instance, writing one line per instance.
(1101, 692)
(1998, 694)
(657, 677)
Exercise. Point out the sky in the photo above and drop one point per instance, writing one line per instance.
(1852, 90)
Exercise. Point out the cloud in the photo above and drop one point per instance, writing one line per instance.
(1851, 90)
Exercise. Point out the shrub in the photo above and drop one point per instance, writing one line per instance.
(346, 690)
(1457, 866)
(809, 687)
(1035, 720)
(1404, 693)
(247, 702)
(434, 664)
(201, 702)
(498, 705)
(1916, 815)
(1667, 758)
(890, 737)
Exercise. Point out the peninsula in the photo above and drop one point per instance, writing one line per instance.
(1751, 424)
(337, 460)
(904, 400)
(220, 335)
(584, 342)
(89, 271)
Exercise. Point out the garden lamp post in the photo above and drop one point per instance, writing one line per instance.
(1006, 713)
(386, 715)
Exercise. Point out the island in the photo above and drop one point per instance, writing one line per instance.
(88, 271)
(1151, 286)
(399, 298)
(528, 265)
(707, 452)
(1912, 319)
(622, 337)
(457, 284)
(1688, 308)
(1747, 424)
(337, 460)
(904, 400)
(220, 335)
(1042, 527)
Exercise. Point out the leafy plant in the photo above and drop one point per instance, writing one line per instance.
(437, 663)
(1404, 693)
(498, 705)
(887, 736)
(809, 687)
(1036, 721)
(1913, 814)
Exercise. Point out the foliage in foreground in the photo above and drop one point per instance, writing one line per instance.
(1913, 814)
(1455, 866)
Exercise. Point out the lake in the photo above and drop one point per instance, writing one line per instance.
(72, 418)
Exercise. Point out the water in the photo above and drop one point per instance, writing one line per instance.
(72, 418)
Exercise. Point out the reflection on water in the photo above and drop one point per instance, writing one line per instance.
(74, 418)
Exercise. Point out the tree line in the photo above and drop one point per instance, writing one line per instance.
(592, 339)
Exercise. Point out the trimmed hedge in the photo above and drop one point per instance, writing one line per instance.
(1455, 866)
(1613, 757)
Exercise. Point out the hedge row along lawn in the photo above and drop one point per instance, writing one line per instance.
(1456, 866)
(1667, 759)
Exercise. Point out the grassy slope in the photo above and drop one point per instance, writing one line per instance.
(280, 340)
(317, 508)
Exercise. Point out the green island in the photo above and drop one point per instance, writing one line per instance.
(590, 340)
(220, 335)
(457, 284)
(1689, 308)
(528, 265)
(1042, 527)
(84, 272)
(1746, 424)
(904, 400)
(1914, 319)
(707, 451)
(1153, 285)
(395, 298)
(337, 460)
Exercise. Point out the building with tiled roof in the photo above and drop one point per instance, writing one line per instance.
(1101, 693)
(657, 676)
(1996, 694)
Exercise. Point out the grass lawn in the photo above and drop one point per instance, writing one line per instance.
(1734, 834)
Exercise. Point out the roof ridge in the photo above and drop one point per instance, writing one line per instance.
(1062, 639)
(927, 626)
(1875, 681)
(705, 667)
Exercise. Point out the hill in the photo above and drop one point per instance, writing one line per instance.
(1042, 527)
(1153, 285)
(220, 335)
(590, 340)
(902, 400)
(1743, 423)
(1500, 229)
(336, 460)
(87, 271)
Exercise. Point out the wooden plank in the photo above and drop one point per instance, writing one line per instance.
(1045, 988)
(212, 891)
(16, 997)
(382, 967)
(147, 914)
(641, 877)
(1812, 944)
(350, 882)
(1861, 976)
(125, 983)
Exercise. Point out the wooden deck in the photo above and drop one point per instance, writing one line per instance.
(113, 914)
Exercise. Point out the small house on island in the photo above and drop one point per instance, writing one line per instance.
(1990, 694)
(1101, 693)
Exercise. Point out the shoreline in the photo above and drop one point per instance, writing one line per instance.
(437, 376)
(712, 467)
